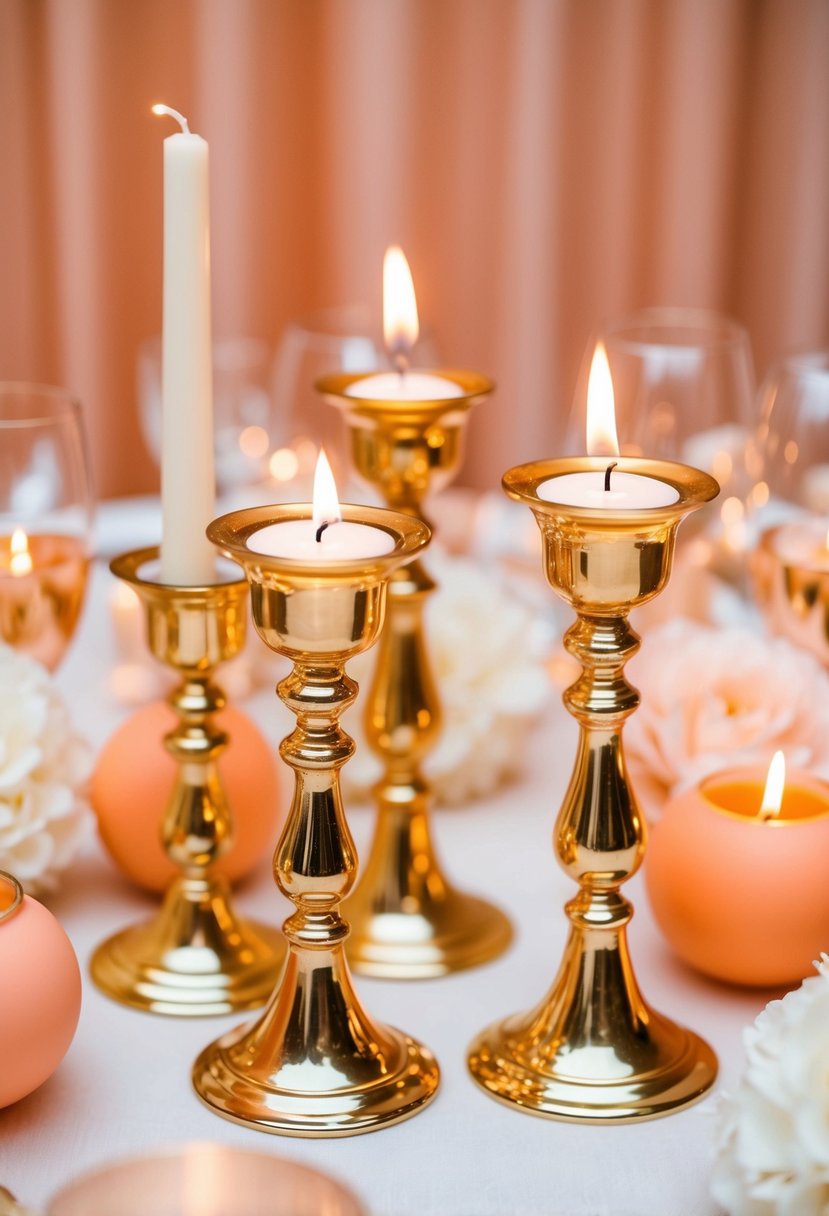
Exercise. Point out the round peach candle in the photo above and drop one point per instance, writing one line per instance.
(739, 894)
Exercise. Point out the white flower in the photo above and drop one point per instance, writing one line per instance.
(772, 1155)
(43, 764)
(721, 698)
(486, 650)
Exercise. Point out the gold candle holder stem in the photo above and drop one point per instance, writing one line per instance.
(408, 920)
(196, 957)
(315, 1064)
(197, 826)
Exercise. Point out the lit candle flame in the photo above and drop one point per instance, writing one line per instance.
(601, 410)
(400, 324)
(21, 559)
(775, 782)
(180, 119)
(326, 503)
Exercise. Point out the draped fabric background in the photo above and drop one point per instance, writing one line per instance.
(544, 163)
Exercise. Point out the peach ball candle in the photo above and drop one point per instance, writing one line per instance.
(736, 875)
(41, 992)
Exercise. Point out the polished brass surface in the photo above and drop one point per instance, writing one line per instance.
(315, 1063)
(793, 595)
(408, 920)
(11, 900)
(593, 1050)
(196, 957)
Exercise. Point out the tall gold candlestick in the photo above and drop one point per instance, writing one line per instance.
(408, 920)
(315, 1063)
(593, 1049)
(197, 956)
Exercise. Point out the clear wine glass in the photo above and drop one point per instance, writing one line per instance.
(683, 382)
(246, 426)
(46, 513)
(788, 454)
(684, 387)
(343, 339)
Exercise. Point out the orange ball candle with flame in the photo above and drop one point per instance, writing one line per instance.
(736, 875)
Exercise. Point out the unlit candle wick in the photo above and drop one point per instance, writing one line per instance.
(607, 473)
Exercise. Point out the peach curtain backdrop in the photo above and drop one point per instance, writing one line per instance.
(545, 164)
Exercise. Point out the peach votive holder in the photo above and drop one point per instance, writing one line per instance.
(741, 897)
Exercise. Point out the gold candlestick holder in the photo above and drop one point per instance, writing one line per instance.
(315, 1063)
(197, 957)
(593, 1050)
(408, 920)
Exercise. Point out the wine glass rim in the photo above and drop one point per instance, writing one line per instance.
(55, 403)
(680, 327)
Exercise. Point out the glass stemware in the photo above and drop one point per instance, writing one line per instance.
(246, 426)
(46, 509)
(789, 452)
(684, 388)
(340, 339)
(683, 382)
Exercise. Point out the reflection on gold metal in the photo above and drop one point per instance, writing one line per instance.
(593, 1050)
(315, 1063)
(408, 921)
(196, 957)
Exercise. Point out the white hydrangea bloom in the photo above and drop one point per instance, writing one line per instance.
(43, 766)
(772, 1155)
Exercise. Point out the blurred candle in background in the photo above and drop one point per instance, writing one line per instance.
(187, 476)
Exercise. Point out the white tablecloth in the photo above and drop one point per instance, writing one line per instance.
(125, 1087)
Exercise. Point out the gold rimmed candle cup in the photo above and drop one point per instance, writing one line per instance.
(593, 1050)
(408, 919)
(197, 956)
(315, 1063)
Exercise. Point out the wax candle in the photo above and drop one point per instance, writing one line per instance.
(400, 332)
(324, 536)
(736, 876)
(187, 476)
(804, 543)
(610, 488)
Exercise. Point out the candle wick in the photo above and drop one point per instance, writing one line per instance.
(401, 362)
(180, 119)
(607, 473)
(320, 531)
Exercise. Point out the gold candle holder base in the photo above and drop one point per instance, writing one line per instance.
(593, 1050)
(197, 957)
(408, 920)
(315, 1064)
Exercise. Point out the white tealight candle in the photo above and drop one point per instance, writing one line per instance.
(804, 543)
(339, 542)
(608, 488)
(324, 536)
(627, 492)
(400, 332)
(404, 386)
